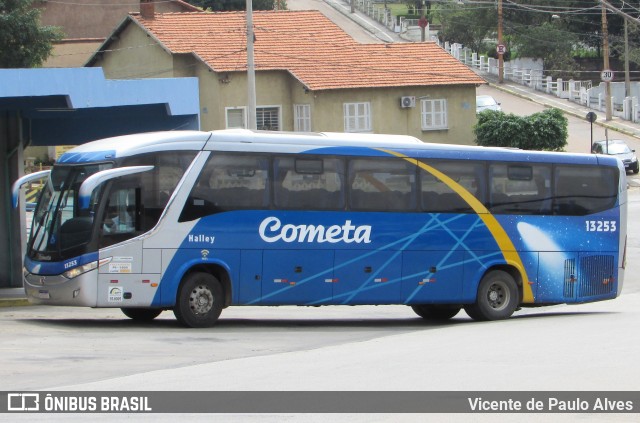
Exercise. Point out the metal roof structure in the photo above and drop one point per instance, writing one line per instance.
(71, 106)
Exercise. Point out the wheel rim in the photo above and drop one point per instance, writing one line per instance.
(498, 296)
(201, 300)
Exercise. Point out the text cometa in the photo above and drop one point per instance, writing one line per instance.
(272, 230)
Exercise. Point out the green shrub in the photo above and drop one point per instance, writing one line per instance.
(546, 130)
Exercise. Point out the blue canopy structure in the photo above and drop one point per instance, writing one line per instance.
(70, 106)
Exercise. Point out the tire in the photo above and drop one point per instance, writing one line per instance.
(637, 167)
(498, 297)
(200, 301)
(141, 314)
(437, 312)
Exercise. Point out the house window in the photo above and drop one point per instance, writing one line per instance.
(302, 117)
(268, 118)
(236, 117)
(357, 117)
(434, 114)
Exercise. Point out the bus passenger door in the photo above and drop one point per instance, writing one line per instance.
(297, 277)
(367, 277)
(430, 277)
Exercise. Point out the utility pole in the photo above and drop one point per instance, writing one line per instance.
(605, 53)
(627, 79)
(422, 23)
(500, 55)
(251, 71)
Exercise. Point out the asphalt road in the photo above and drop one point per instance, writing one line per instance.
(580, 347)
(561, 348)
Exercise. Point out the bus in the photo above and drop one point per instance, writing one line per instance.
(195, 222)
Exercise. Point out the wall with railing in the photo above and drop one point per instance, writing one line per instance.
(530, 72)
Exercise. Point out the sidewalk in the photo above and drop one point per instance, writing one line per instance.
(11, 297)
(617, 124)
(380, 31)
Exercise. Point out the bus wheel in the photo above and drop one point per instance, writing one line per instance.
(497, 297)
(436, 311)
(141, 314)
(199, 301)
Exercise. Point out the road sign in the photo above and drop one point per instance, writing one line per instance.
(606, 75)
(501, 49)
(591, 117)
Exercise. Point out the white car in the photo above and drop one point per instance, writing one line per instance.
(486, 102)
(620, 149)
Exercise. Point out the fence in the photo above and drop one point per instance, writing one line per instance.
(531, 73)
(526, 72)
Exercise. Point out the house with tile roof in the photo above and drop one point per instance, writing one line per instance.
(86, 24)
(310, 74)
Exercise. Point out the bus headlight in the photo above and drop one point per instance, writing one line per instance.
(77, 271)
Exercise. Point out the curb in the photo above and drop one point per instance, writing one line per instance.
(14, 302)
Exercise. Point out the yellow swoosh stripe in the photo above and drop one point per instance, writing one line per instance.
(499, 234)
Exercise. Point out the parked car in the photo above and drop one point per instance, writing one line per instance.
(486, 102)
(620, 149)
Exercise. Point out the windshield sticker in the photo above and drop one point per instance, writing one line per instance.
(120, 267)
(115, 294)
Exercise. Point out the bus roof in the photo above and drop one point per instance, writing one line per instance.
(310, 142)
(130, 145)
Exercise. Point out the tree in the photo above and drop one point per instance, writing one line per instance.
(465, 25)
(23, 42)
(546, 130)
(234, 5)
(549, 29)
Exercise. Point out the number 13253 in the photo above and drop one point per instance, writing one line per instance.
(601, 225)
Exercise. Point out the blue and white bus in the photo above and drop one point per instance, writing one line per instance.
(197, 221)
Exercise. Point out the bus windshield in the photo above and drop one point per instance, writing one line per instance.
(60, 229)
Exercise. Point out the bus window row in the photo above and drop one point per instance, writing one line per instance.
(233, 181)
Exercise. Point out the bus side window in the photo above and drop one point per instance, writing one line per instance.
(119, 218)
(382, 185)
(229, 182)
(158, 184)
(582, 190)
(308, 183)
(517, 188)
(438, 197)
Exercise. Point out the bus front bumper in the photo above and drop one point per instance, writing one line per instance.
(58, 290)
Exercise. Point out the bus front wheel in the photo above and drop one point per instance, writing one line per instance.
(497, 298)
(436, 311)
(200, 300)
(141, 314)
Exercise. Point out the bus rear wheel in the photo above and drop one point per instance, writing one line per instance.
(141, 314)
(200, 301)
(498, 297)
(436, 311)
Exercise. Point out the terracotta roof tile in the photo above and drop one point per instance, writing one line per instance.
(309, 46)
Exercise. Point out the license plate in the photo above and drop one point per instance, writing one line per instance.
(43, 295)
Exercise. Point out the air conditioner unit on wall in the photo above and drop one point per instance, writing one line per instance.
(407, 101)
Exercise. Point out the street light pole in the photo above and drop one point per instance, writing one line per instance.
(251, 71)
(500, 55)
(605, 53)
